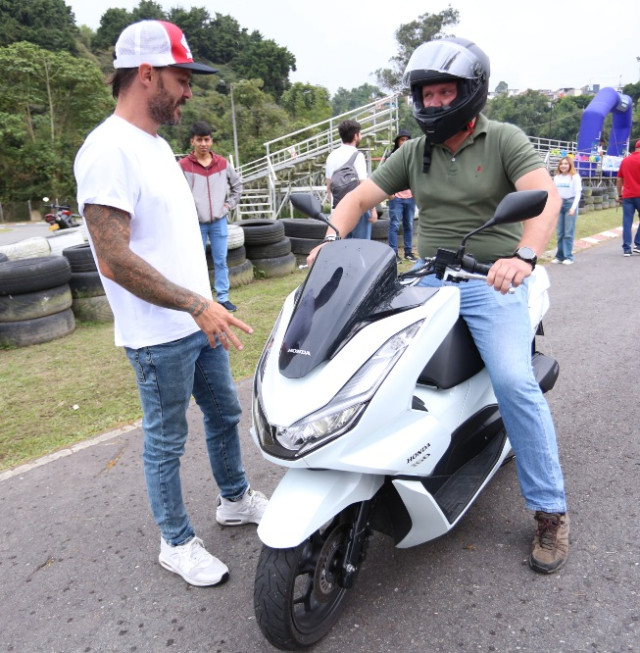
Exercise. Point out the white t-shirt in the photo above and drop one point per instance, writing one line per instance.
(569, 188)
(126, 168)
(340, 156)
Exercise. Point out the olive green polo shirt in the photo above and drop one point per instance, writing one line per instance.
(461, 191)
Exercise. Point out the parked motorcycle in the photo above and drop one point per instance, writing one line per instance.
(371, 391)
(60, 217)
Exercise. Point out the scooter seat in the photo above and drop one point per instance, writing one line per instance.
(456, 359)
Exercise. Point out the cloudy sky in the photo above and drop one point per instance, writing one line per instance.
(545, 44)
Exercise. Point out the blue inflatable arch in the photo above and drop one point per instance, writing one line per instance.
(607, 100)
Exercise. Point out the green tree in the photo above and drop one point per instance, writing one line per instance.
(225, 39)
(501, 88)
(268, 61)
(148, 10)
(531, 111)
(409, 36)
(306, 104)
(112, 22)
(48, 103)
(345, 100)
(47, 23)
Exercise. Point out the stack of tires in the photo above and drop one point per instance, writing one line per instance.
(304, 234)
(240, 269)
(380, 230)
(267, 247)
(90, 303)
(35, 300)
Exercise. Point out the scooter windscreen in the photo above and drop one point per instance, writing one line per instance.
(351, 284)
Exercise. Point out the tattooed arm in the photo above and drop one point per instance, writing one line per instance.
(110, 231)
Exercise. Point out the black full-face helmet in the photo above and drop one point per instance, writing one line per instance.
(444, 60)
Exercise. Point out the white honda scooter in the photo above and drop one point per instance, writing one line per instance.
(371, 391)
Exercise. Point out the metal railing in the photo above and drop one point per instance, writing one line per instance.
(297, 159)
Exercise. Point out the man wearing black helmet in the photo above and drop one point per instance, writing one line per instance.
(458, 172)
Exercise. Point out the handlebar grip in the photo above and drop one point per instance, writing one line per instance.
(482, 268)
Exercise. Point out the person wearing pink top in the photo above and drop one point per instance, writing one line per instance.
(402, 208)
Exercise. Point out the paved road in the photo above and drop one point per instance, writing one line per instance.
(13, 232)
(78, 550)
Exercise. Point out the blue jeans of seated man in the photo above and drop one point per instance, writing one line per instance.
(401, 211)
(167, 376)
(566, 231)
(216, 232)
(363, 228)
(629, 206)
(501, 329)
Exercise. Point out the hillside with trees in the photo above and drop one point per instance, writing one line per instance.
(53, 90)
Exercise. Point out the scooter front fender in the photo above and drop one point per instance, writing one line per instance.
(307, 499)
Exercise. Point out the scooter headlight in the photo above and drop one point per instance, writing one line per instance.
(342, 413)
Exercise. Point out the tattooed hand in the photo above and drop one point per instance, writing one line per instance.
(110, 231)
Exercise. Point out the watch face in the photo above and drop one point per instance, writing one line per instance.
(526, 253)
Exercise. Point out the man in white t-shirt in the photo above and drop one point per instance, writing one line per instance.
(350, 136)
(144, 234)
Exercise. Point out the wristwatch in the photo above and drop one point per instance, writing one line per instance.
(526, 254)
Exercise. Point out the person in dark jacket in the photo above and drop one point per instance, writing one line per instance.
(216, 189)
(402, 208)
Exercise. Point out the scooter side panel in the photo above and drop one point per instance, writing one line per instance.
(428, 521)
(305, 500)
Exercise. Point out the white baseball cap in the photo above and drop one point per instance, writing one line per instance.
(157, 43)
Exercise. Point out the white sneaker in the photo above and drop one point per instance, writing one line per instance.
(249, 509)
(567, 261)
(193, 562)
(556, 261)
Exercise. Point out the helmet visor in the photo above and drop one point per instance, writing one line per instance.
(444, 57)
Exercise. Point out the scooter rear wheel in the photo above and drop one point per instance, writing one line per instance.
(297, 596)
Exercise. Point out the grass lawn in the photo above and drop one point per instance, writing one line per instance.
(61, 392)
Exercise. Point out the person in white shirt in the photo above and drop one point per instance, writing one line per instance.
(145, 236)
(350, 136)
(569, 185)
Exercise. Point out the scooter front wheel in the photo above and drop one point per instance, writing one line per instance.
(297, 595)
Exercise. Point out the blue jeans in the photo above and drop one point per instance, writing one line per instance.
(401, 210)
(629, 206)
(216, 232)
(167, 376)
(566, 231)
(363, 228)
(501, 329)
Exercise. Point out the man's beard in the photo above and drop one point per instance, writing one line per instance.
(162, 108)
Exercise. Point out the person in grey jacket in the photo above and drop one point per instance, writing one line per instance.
(216, 189)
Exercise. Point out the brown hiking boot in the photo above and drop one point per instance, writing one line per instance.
(551, 542)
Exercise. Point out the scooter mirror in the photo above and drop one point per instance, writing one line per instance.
(520, 205)
(515, 207)
(307, 203)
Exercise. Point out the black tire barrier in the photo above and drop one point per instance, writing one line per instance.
(380, 230)
(303, 246)
(32, 274)
(32, 305)
(274, 267)
(261, 232)
(24, 333)
(80, 258)
(304, 228)
(272, 250)
(236, 256)
(92, 309)
(86, 284)
(239, 275)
